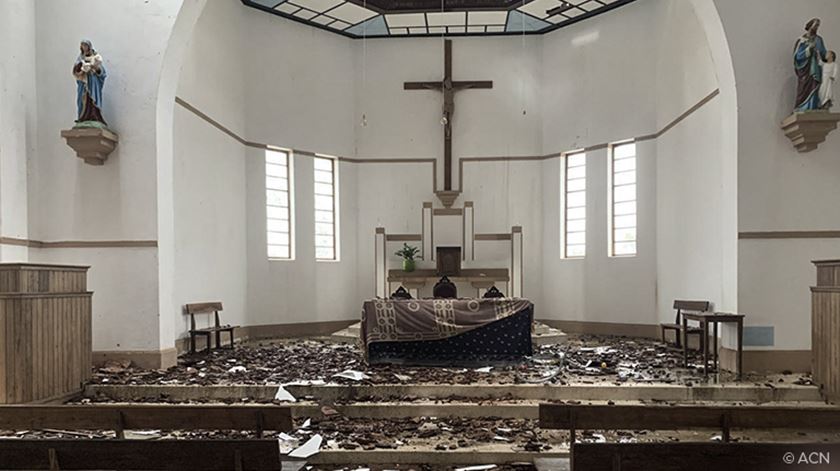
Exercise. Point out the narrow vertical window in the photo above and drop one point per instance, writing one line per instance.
(278, 203)
(325, 209)
(623, 200)
(574, 205)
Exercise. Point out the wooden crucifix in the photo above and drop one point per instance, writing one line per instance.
(448, 87)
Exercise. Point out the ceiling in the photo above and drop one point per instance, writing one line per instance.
(401, 18)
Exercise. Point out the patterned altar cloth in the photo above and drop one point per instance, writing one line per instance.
(446, 331)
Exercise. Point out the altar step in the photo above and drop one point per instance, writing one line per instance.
(333, 393)
(542, 335)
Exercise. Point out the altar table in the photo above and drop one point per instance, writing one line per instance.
(447, 331)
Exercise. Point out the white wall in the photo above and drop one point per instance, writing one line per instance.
(691, 170)
(779, 189)
(210, 226)
(596, 75)
(299, 94)
(17, 120)
(69, 200)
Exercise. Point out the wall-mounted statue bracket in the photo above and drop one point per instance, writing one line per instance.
(806, 130)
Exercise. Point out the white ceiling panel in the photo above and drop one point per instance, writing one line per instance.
(322, 20)
(487, 17)
(350, 13)
(452, 18)
(475, 29)
(406, 20)
(457, 29)
(495, 29)
(287, 7)
(319, 5)
(539, 7)
(305, 14)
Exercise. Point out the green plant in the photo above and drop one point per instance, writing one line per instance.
(407, 252)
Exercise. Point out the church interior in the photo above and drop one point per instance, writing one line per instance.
(419, 235)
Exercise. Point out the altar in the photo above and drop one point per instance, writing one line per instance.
(443, 332)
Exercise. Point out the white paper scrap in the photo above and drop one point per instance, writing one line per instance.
(306, 424)
(284, 396)
(311, 447)
(485, 369)
(237, 369)
(352, 374)
(482, 467)
(287, 443)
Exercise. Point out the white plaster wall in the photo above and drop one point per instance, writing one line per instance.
(210, 226)
(299, 94)
(691, 206)
(779, 189)
(18, 120)
(598, 88)
(70, 200)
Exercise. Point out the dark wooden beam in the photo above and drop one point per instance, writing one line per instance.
(655, 417)
(206, 455)
(146, 416)
(701, 456)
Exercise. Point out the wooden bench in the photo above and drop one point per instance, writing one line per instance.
(677, 326)
(163, 455)
(575, 417)
(702, 456)
(658, 456)
(207, 332)
(120, 417)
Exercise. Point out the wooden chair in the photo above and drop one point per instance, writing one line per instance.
(217, 329)
(445, 289)
(680, 306)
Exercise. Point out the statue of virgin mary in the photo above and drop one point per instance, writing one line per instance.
(90, 74)
(808, 56)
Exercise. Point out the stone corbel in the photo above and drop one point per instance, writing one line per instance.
(806, 130)
(92, 144)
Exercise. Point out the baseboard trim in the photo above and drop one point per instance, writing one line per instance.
(767, 361)
(604, 328)
(271, 331)
(296, 330)
(145, 359)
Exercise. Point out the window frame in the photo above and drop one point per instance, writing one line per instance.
(564, 204)
(335, 206)
(290, 198)
(611, 203)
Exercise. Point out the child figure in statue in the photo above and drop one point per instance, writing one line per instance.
(89, 72)
(829, 75)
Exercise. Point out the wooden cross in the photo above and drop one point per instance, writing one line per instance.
(448, 87)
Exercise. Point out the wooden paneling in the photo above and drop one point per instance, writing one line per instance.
(146, 416)
(206, 455)
(45, 331)
(825, 328)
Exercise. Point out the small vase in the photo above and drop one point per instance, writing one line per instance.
(408, 265)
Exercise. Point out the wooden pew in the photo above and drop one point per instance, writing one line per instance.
(575, 417)
(206, 455)
(120, 417)
(703, 456)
